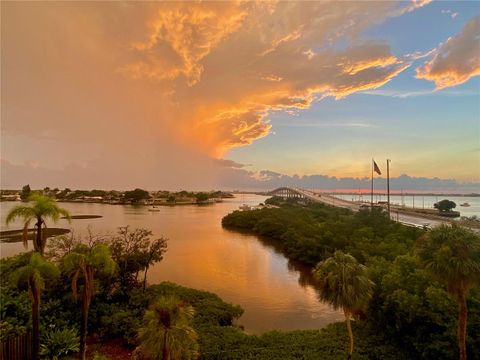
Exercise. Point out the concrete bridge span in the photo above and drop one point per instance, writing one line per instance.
(292, 192)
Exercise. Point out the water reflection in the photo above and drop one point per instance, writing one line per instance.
(275, 293)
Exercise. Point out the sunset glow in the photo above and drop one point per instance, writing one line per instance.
(165, 91)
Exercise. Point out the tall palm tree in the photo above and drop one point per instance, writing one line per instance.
(83, 262)
(34, 274)
(451, 255)
(167, 332)
(41, 208)
(344, 284)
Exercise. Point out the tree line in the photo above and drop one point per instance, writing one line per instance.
(407, 297)
(130, 196)
(113, 261)
(400, 280)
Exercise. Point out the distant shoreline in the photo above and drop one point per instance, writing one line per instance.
(202, 203)
(333, 193)
(365, 192)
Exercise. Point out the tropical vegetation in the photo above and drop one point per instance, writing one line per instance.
(33, 274)
(41, 208)
(25, 193)
(411, 311)
(167, 331)
(451, 254)
(60, 342)
(445, 205)
(344, 283)
(415, 310)
(136, 196)
(135, 251)
(83, 262)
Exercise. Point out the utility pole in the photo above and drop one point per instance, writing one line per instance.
(388, 186)
(371, 193)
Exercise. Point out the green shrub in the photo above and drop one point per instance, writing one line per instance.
(98, 356)
(60, 342)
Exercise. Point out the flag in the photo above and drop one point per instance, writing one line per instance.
(376, 168)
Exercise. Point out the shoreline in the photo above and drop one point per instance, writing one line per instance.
(123, 203)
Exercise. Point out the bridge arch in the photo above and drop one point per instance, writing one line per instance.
(287, 192)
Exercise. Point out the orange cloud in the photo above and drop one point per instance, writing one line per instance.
(355, 67)
(180, 36)
(284, 39)
(455, 61)
(201, 75)
(409, 7)
(248, 98)
(267, 64)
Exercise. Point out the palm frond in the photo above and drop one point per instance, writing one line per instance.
(36, 270)
(65, 213)
(25, 233)
(168, 323)
(451, 255)
(21, 211)
(73, 260)
(343, 282)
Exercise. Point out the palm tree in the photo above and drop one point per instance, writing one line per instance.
(42, 207)
(83, 262)
(451, 255)
(34, 274)
(344, 284)
(167, 332)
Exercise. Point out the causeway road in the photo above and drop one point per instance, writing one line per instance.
(407, 219)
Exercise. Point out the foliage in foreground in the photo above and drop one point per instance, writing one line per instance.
(60, 342)
(167, 331)
(451, 254)
(40, 208)
(344, 284)
(113, 316)
(34, 274)
(414, 310)
(410, 316)
(329, 343)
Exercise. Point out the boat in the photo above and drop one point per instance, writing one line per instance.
(154, 208)
(465, 204)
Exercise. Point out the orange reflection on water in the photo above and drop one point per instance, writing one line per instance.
(240, 268)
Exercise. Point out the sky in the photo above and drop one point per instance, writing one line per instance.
(240, 95)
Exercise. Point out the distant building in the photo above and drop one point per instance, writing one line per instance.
(93, 199)
(10, 197)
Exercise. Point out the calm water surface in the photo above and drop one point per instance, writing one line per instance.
(426, 202)
(240, 268)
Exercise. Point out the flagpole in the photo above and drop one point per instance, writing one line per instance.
(388, 186)
(371, 192)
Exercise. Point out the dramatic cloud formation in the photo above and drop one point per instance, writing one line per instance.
(456, 60)
(242, 60)
(121, 94)
(180, 35)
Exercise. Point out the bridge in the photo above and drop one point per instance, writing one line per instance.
(397, 214)
(298, 193)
